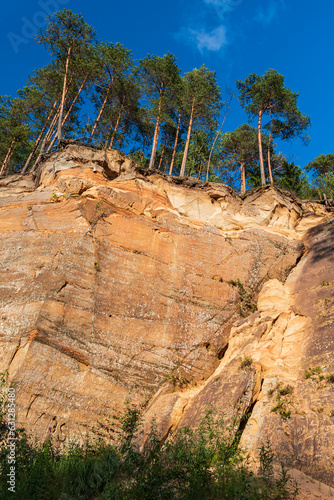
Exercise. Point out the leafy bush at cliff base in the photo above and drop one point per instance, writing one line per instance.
(191, 465)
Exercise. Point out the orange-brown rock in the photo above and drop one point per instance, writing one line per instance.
(118, 283)
(278, 369)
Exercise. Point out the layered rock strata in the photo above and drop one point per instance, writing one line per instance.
(118, 283)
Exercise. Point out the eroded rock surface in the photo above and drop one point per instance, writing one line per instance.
(119, 283)
(278, 368)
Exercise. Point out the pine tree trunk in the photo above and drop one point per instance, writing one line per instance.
(5, 164)
(67, 114)
(7, 158)
(101, 110)
(117, 124)
(199, 171)
(122, 138)
(175, 145)
(216, 138)
(269, 163)
(263, 175)
(46, 138)
(143, 150)
(185, 154)
(38, 140)
(155, 137)
(161, 157)
(52, 130)
(51, 143)
(155, 142)
(75, 99)
(108, 135)
(242, 178)
(59, 136)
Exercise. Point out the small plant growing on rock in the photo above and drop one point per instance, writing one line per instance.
(55, 198)
(327, 301)
(246, 362)
(330, 378)
(99, 213)
(324, 283)
(3, 396)
(311, 372)
(266, 460)
(284, 391)
(282, 402)
(97, 266)
(280, 408)
(246, 303)
(178, 381)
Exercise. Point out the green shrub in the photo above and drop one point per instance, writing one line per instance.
(281, 399)
(246, 362)
(312, 371)
(246, 302)
(192, 464)
(284, 391)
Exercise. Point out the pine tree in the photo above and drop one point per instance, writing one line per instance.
(289, 124)
(239, 154)
(143, 136)
(115, 62)
(267, 94)
(240, 151)
(291, 177)
(201, 100)
(198, 153)
(322, 165)
(66, 37)
(15, 133)
(158, 75)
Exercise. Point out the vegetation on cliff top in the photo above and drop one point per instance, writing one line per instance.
(95, 91)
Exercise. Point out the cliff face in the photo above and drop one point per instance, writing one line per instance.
(118, 283)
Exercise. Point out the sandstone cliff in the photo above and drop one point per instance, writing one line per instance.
(118, 283)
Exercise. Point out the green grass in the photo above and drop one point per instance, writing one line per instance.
(312, 372)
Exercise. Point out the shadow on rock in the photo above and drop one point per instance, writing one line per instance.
(321, 241)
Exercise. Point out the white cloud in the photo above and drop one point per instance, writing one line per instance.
(223, 6)
(208, 22)
(213, 40)
(208, 27)
(266, 15)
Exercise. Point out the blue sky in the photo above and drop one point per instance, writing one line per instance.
(232, 37)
